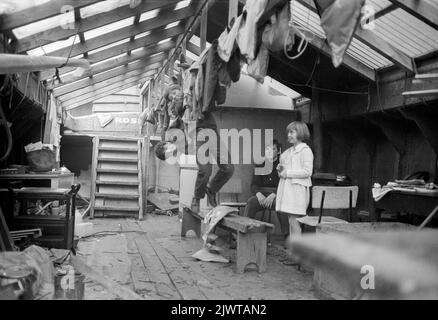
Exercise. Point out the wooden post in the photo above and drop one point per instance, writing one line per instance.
(317, 128)
(170, 66)
(203, 32)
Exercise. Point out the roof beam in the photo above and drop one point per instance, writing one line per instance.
(419, 9)
(319, 44)
(349, 62)
(152, 39)
(72, 88)
(127, 32)
(384, 11)
(95, 85)
(41, 12)
(104, 92)
(108, 65)
(90, 23)
(391, 53)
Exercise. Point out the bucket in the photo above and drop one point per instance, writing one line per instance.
(69, 285)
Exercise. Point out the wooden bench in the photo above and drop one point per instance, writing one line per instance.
(251, 237)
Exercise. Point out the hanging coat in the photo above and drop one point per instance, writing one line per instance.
(293, 193)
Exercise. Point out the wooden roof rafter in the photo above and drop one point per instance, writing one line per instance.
(103, 92)
(93, 84)
(422, 10)
(120, 61)
(40, 12)
(376, 43)
(155, 37)
(137, 65)
(125, 33)
(90, 23)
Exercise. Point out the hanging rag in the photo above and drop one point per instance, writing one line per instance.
(227, 40)
(258, 68)
(211, 219)
(339, 19)
(247, 35)
(275, 33)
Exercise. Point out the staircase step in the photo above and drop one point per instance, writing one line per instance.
(112, 208)
(121, 149)
(122, 171)
(116, 196)
(118, 183)
(117, 160)
(118, 139)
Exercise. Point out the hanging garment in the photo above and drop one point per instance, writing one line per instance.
(247, 35)
(339, 19)
(258, 68)
(275, 32)
(234, 66)
(212, 218)
(227, 40)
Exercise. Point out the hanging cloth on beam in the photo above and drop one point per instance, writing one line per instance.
(339, 19)
(247, 35)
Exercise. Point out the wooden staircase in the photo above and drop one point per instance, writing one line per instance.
(119, 176)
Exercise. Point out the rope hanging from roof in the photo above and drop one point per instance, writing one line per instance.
(304, 42)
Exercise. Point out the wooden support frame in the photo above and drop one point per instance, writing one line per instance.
(93, 86)
(90, 23)
(381, 46)
(203, 32)
(92, 94)
(320, 44)
(101, 94)
(349, 62)
(38, 13)
(422, 10)
(394, 132)
(111, 64)
(147, 41)
(138, 67)
(162, 20)
(426, 123)
(94, 175)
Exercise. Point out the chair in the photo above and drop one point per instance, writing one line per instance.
(330, 197)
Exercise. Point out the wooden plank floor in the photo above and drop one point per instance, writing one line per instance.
(150, 258)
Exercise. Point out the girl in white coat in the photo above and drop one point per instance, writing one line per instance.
(295, 171)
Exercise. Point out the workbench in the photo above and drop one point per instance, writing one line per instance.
(47, 180)
(412, 202)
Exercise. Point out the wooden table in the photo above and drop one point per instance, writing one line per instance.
(415, 203)
(48, 180)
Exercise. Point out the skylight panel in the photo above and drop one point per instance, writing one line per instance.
(108, 28)
(149, 15)
(173, 24)
(102, 6)
(143, 34)
(182, 4)
(54, 46)
(66, 20)
(111, 45)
